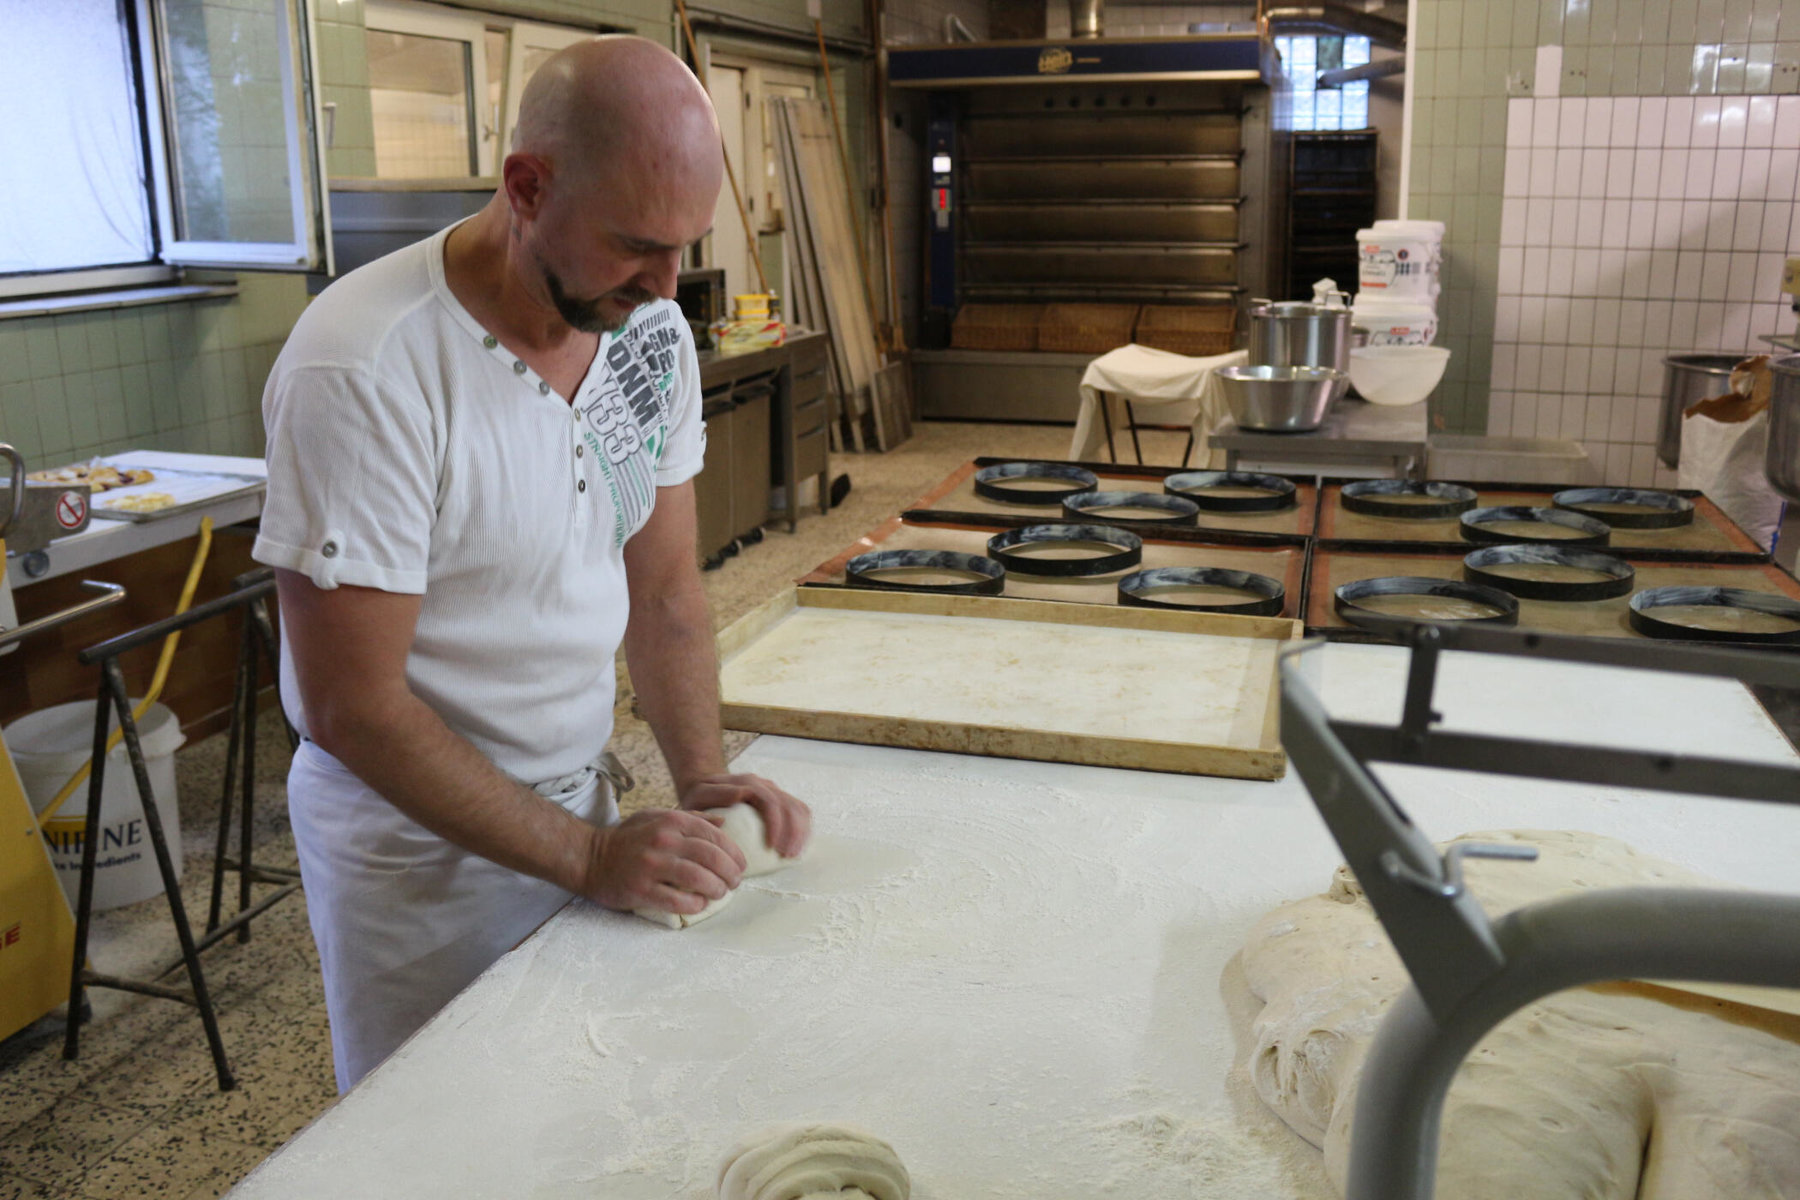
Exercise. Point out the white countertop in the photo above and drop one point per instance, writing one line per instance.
(1022, 974)
(106, 539)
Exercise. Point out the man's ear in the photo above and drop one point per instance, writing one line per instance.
(526, 178)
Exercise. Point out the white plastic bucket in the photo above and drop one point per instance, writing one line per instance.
(1401, 263)
(1395, 322)
(49, 746)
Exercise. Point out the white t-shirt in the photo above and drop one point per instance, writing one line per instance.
(410, 451)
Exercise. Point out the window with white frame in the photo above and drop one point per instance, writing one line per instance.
(444, 85)
(141, 135)
(1317, 108)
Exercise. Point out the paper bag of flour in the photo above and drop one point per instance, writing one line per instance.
(1723, 444)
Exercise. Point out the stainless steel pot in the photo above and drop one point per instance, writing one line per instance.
(1688, 379)
(1783, 462)
(1281, 399)
(1297, 334)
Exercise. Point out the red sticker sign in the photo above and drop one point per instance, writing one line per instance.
(71, 510)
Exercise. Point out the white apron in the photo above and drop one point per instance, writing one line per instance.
(403, 919)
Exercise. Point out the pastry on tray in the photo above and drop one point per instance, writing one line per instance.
(143, 502)
(99, 476)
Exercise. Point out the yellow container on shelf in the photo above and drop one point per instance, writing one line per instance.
(751, 306)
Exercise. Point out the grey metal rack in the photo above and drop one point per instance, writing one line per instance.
(1469, 972)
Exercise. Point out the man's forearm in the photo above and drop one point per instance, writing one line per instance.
(675, 673)
(403, 750)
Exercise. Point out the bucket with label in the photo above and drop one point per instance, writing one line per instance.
(49, 746)
(1400, 263)
(1395, 322)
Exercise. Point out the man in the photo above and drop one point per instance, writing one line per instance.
(480, 450)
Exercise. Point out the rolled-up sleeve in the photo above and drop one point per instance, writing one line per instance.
(687, 432)
(353, 471)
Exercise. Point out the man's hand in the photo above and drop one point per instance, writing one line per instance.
(664, 859)
(788, 821)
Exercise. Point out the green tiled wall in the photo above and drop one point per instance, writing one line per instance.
(185, 376)
(1471, 55)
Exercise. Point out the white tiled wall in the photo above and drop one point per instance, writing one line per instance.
(1632, 228)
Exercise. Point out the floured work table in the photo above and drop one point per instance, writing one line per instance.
(1022, 974)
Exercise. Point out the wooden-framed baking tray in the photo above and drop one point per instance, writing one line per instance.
(1333, 566)
(1712, 536)
(1151, 689)
(956, 495)
(1162, 548)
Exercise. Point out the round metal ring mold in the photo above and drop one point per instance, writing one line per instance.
(1138, 590)
(992, 482)
(1376, 498)
(1083, 507)
(988, 576)
(1591, 532)
(1659, 510)
(1645, 603)
(1619, 575)
(1282, 492)
(1003, 547)
(1344, 600)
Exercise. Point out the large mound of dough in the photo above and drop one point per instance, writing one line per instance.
(811, 1162)
(1597, 1093)
(743, 825)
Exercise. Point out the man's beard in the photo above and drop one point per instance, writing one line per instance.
(586, 315)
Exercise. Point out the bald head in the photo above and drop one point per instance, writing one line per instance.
(624, 102)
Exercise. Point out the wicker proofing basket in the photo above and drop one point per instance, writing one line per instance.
(1200, 330)
(996, 327)
(1086, 328)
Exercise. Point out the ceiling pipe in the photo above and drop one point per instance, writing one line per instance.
(1087, 18)
(1375, 70)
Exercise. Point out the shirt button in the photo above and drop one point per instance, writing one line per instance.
(578, 452)
(518, 367)
(329, 549)
(490, 341)
(543, 388)
(581, 485)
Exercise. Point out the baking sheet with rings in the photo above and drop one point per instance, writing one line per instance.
(1284, 563)
(1593, 618)
(1711, 531)
(956, 493)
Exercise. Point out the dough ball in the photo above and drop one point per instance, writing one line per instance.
(1604, 1093)
(800, 1162)
(743, 825)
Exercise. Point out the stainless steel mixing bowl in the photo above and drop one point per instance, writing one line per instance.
(1281, 399)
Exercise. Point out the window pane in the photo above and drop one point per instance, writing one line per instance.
(419, 91)
(493, 114)
(226, 86)
(71, 161)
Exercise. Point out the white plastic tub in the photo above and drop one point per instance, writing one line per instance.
(1393, 322)
(1401, 263)
(49, 746)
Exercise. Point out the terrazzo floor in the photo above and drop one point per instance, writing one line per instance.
(139, 1113)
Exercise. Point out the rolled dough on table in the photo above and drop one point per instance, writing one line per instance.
(1616, 1091)
(743, 825)
(804, 1162)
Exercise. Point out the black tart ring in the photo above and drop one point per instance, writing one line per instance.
(1656, 510)
(1619, 574)
(1475, 522)
(1084, 507)
(1003, 548)
(1646, 622)
(994, 482)
(1344, 600)
(988, 576)
(1196, 485)
(1139, 589)
(1377, 498)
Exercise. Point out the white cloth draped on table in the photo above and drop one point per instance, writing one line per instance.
(1163, 389)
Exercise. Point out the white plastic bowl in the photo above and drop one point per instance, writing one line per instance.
(1397, 375)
